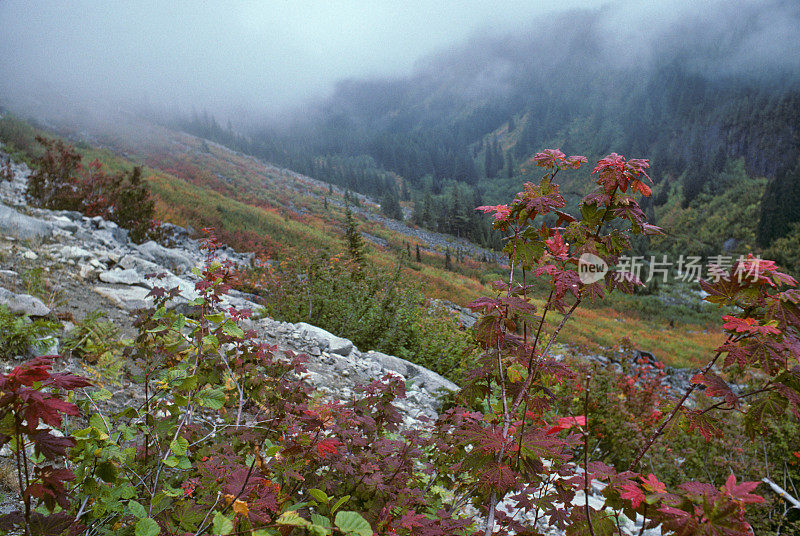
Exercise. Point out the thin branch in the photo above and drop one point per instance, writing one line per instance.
(675, 411)
(586, 457)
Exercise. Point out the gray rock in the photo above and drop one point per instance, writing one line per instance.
(430, 381)
(23, 303)
(47, 346)
(174, 259)
(140, 265)
(21, 226)
(65, 223)
(75, 252)
(128, 298)
(388, 362)
(123, 277)
(336, 345)
(86, 271)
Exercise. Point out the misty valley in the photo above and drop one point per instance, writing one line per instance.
(405, 270)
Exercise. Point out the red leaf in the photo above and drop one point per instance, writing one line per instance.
(652, 484)
(328, 446)
(742, 491)
(747, 325)
(567, 422)
(501, 212)
(633, 492)
(715, 386)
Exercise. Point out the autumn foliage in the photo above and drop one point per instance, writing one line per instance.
(61, 181)
(229, 439)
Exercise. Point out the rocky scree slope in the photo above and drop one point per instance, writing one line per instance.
(95, 266)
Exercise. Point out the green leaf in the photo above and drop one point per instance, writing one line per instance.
(147, 527)
(179, 446)
(291, 507)
(137, 509)
(222, 524)
(339, 503)
(217, 318)
(210, 340)
(107, 471)
(352, 523)
(320, 526)
(232, 329)
(101, 394)
(264, 532)
(96, 421)
(319, 495)
(179, 323)
(322, 521)
(171, 461)
(292, 518)
(211, 398)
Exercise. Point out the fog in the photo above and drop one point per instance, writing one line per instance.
(245, 60)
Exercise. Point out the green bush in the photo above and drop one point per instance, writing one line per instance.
(372, 307)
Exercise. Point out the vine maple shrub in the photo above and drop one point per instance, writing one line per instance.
(516, 448)
(229, 439)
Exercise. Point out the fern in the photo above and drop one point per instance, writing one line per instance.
(18, 334)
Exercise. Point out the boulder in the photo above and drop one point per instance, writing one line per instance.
(21, 226)
(336, 345)
(63, 222)
(76, 252)
(124, 277)
(430, 381)
(388, 362)
(174, 259)
(23, 303)
(128, 298)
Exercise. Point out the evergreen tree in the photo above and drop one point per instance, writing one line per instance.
(780, 206)
(510, 165)
(355, 244)
(390, 205)
(419, 256)
(448, 263)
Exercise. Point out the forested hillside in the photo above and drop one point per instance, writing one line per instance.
(458, 131)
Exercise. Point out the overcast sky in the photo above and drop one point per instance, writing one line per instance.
(265, 56)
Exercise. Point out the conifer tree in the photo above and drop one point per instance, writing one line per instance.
(355, 244)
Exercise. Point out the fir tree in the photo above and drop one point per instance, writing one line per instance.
(355, 244)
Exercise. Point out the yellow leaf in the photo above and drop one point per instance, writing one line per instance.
(240, 507)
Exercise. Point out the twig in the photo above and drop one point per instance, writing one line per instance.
(675, 411)
(586, 457)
